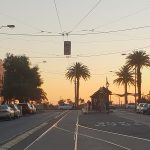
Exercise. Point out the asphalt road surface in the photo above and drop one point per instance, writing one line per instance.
(73, 130)
(10, 129)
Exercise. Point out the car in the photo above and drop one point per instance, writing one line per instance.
(112, 107)
(144, 108)
(33, 108)
(148, 110)
(6, 112)
(17, 112)
(65, 106)
(139, 106)
(25, 108)
(130, 106)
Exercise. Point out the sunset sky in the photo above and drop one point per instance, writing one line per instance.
(100, 31)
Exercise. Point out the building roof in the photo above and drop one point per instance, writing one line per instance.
(102, 90)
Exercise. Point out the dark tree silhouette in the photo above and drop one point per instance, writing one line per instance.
(20, 80)
(138, 60)
(76, 72)
(124, 77)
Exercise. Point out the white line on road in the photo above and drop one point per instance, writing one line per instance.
(105, 141)
(61, 114)
(115, 133)
(65, 130)
(22, 137)
(135, 120)
(54, 125)
(76, 133)
(68, 131)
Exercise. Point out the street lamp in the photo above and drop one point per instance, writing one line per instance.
(8, 26)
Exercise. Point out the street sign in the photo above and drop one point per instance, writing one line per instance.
(67, 47)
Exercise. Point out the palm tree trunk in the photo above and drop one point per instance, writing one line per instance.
(77, 91)
(135, 82)
(126, 96)
(139, 83)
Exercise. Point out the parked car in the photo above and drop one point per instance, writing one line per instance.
(130, 106)
(6, 112)
(33, 108)
(148, 110)
(144, 108)
(26, 108)
(112, 107)
(17, 112)
(140, 107)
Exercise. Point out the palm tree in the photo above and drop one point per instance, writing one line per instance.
(76, 72)
(138, 59)
(125, 77)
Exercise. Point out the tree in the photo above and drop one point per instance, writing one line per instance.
(69, 101)
(137, 60)
(125, 77)
(61, 102)
(20, 80)
(76, 72)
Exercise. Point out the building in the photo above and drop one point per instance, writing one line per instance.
(1, 79)
(100, 99)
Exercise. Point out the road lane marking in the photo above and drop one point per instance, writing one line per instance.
(99, 139)
(76, 133)
(61, 114)
(135, 120)
(22, 137)
(65, 130)
(104, 141)
(28, 129)
(44, 133)
(114, 124)
(115, 133)
(13, 141)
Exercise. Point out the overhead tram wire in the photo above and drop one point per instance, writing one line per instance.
(103, 54)
(28, 34)
(99, 1)
(78, 34)
(111, 31)
(60, 25)
(122, 18)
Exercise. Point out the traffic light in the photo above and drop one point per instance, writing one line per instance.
(67, 47)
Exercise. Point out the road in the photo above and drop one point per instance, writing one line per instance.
(73, 130)
(10, 129)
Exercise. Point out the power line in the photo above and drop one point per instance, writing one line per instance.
(58, 16)
(88, 56)
(79, 34)
(28, 34)
(124, 17)
(112, 31)
(103, 54)
(53, 57)
(85, 16)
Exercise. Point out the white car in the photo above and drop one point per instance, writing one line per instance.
(6, 112)
(141, 107)
(65, 106)
(144, 108)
